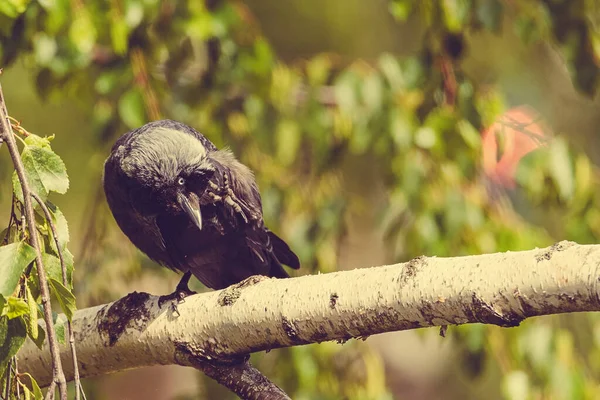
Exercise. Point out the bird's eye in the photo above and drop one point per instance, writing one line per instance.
(180, 181)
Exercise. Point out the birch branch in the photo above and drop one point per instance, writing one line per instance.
(500, 289)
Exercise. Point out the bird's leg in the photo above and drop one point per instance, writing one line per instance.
(182, 288)
(181, 292)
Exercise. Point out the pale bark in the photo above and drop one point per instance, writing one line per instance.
(501, 289)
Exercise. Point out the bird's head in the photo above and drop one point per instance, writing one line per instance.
(168, 171)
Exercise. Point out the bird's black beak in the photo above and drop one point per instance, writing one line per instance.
(192, 208)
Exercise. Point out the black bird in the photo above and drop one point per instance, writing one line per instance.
(191, 207)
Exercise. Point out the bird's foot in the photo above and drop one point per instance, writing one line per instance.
(226, 195)
(177, 297)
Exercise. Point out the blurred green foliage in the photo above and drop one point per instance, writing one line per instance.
(312, 129)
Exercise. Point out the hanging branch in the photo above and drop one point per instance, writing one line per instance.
(78, 387)
(58, 376)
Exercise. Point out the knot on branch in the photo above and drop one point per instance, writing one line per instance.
(129, 312)
(230, 295)
(411, 268)
(546, 254)
(485, 312)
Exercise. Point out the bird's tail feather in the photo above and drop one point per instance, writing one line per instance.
(277, 270)
(283, 252)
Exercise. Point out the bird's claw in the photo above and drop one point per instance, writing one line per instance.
(227, 196)
(176, 298)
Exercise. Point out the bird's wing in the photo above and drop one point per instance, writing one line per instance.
(261, 251)
(266, 247)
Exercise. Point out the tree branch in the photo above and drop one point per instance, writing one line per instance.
(215, 327)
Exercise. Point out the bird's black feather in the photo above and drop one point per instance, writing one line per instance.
(151, 166)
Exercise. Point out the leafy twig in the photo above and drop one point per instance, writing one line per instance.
(16, 125)
(63, 267)
(58, 375)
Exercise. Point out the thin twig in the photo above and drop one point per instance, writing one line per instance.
(17, 376)
(65, 279)
(16, 125)
(8, 371)
(11, 219)
(51, 390)
(58, 375)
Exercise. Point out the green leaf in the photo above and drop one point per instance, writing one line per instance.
(318, 69)
(345, 92)
(516, 385)
(39, 341)
(9, 234)
(391, 71)
(59, 328)
(38, 141)
(401, 9)
(288, 139)
(53, 267)
(26, 392)
(14, 258)
(12, 337)
(425, 137)
(16, 307)
(455, 13)
(106, 82)
(37, 392)
(64, 296)
(13, 8)
(131, 109)
(469, 134)
(372, 92)
(61, 225)
(45, 172)
(45, 48)
(401, 129)
(119, 34)
(83, 32)
(32, 322)
(490, 14)
(48, 4)
(561, 168)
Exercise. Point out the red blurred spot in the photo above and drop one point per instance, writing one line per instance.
(514, 134)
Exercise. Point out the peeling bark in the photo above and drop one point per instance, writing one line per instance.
(214, 331)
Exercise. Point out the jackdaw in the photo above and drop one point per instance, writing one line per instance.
(191, 207)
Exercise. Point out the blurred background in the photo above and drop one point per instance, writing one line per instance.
(378, 130)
